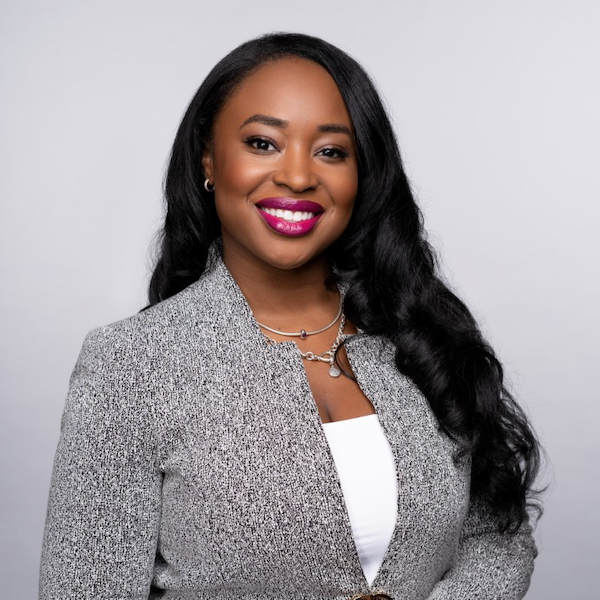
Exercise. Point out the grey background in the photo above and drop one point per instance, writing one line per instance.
(496, 108)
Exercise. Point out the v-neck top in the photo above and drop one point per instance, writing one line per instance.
(365, 465)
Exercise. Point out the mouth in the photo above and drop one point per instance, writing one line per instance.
(289, 217)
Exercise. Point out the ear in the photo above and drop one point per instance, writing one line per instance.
(207, 166)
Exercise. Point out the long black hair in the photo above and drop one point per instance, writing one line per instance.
(385, 262)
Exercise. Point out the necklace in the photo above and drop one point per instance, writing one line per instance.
(328, 356)
(303, 334)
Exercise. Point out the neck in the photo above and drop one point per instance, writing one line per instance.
(286, 299)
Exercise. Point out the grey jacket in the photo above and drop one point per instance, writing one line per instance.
(192, 464)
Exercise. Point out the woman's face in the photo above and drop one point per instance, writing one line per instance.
(283, 163)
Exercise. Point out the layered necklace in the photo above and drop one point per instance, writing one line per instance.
(326, 357)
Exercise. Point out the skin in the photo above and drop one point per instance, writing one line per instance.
(295, 153)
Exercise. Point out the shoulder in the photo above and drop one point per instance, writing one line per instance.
(124, 367)
(152, 334)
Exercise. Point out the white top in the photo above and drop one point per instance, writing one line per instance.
(367, 472)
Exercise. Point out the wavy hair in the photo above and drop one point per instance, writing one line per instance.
(385, 262)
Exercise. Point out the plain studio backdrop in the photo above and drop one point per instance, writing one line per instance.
(496, 107)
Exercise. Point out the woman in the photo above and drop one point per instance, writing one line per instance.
(304, 410)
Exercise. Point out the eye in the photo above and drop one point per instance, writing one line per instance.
(261, 144)
(333, 153)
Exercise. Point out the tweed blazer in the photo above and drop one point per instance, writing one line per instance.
(192, 464)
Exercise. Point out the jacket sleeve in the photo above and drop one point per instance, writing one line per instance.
(104, 504)
(490, 565)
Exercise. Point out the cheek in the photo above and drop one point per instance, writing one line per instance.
(346, 188)
(237, 174)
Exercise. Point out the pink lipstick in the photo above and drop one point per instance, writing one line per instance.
(289, 217)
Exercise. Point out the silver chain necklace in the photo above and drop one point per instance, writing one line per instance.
(328, 356)
(303, 334)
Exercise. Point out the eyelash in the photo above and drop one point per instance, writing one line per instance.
(340, 154)
(254, 141)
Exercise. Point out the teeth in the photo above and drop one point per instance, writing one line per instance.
(289, 215)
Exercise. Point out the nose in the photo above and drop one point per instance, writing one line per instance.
(296, 170)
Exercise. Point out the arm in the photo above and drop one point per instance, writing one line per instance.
(104, 506)
(489, 565)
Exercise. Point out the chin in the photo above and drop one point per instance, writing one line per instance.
(292, 260)
(289, 265)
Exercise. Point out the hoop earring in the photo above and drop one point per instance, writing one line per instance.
(208, 187)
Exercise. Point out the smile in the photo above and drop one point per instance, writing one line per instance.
(289, 217)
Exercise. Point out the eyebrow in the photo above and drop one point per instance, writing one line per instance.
(335, 128)
(265, 120)
(275, 122)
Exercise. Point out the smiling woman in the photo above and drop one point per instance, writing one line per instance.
(282, 142)
(304, 410)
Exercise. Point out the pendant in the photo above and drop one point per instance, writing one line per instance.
(334, 371)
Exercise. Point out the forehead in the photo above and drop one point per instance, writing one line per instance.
(293, 89)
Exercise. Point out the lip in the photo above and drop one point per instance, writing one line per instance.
(291, 204)
(290, 228)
